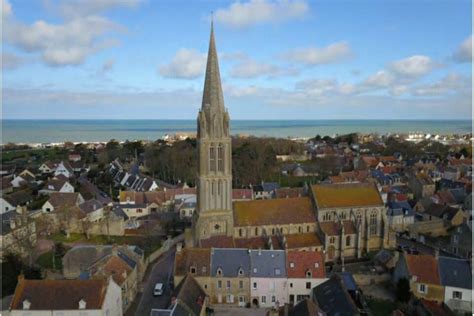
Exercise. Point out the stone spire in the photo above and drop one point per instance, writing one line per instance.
(212, 95)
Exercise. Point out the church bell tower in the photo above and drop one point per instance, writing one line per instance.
(214, 174)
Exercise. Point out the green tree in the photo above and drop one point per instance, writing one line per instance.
(403, 290)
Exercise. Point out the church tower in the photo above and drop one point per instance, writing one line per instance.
(214, 175)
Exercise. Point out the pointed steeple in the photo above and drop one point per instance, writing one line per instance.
(212, 84)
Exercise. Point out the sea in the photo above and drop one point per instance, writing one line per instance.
(54, 131)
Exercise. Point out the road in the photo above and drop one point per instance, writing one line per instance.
(161, 272)
(422, 248)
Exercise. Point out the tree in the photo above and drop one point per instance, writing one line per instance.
(403, 290)
(12, 267)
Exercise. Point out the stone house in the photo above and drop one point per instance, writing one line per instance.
(93, 210)
(58, 200)
(196, 262)
(67, 297)
(268, 278)
(305, 270)
(422, 185)
(400, 215)
(18, 233)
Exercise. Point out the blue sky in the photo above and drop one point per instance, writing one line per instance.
(281, 59)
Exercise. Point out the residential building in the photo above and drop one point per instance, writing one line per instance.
(59, 200)
(66, 297)
(57, 185)
(11, 201)
(456, 277)
(64, 169)
(332, 296)
(422, 185)
(196, 262)
(93, 209)
(305, 270)
(400, 215)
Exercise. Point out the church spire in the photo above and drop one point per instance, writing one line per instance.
(212, 95)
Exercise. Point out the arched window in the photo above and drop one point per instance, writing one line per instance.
(212, 159)
(307, 229)
(240, 232)
(256, 231)
(213, 189)
(220, 158)
(219, 272)
(373, 223)
(273, 231)
(219, 189)
(348, 240)
(300, 229)
(308, 274)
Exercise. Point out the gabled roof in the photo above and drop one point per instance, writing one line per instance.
(332, 297)
(273, 211)
(424, 267)
(63, 199)
(268, 263)
(90, 206)
(199, 258)
(55, 184)
(305, 307)
(230, 261)
(47, 295)
(18, 198)
(455, 272)
(113, 266)
(298, 263)
(346, 195)
(189, 296)
(399, 208)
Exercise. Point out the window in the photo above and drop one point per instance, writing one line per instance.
(291, 285)
(228, 284)
(240, 232)
(204, 269)
(300, 229)
(308, 285)
(455, 238)
(230, 298)
(212, 188)
(348, 240)
(292, 264)
(212, 159)
(256, 231)
(308, 274)
(220, 158)
(205, 286)
(254, 285)
(332, 240)
(316, 265)
(219, 272)
(422, 288)
(373, 223)
(139, 210)
(457, 295)
(273, 299)
(241, 272)
(241, 299)
(192, 270)
(273, 231)
(264, 299)
(307, 229)
(219, 284)
(241, 284)
(219, 191)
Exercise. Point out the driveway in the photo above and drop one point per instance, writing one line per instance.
(161, 272)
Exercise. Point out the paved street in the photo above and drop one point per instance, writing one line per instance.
(161, 272)
(422, 248)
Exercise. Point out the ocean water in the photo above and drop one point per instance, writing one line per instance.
(45, 131)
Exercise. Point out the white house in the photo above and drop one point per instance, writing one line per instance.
(268, 280)
(47, 167)
(57, 185)
(6, 205)
(23, 178)
(59, 199)
(64, 168)
(400, 215)
(94, 297)
(305, 271)
(456, 277)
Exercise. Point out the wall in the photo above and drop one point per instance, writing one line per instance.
(297, 286)
(464, 304)
(434, 293)
(269, 287)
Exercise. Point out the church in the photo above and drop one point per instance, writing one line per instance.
(341, 220)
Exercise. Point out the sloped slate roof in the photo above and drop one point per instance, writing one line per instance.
(455, 272)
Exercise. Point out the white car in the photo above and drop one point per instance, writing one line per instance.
(158, 290)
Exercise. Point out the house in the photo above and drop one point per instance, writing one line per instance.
(456, 277)
(268, 278)
(422, 272)
(6, 185)
(230, 273)
(195, 262)
(400, 215)
(266, 190)
(188, 298)
(57, 185)
(65, 169)
(285, 193)
(18, 233)
(305, 270)
(451, 215)
(58, 200)
(13, 200)
(422, 185)
(88, 188)
(67, 297)
(23, 179)
(124, 272)
(460, 241)
(187, 208)
(305, 307)
(332, 296)
(48, 167)
(93, 210)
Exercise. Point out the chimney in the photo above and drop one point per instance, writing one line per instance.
(436, 253)
(179, 247)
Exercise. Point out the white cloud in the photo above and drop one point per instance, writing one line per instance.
(381, 79)
(243, 14)
(252, 69)
(11, 61)
(79, 8)
(186, 64)
(464, 52)
(451, 83)
(6, 9)
(333, 53)
(414, 66)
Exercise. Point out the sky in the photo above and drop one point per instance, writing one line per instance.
(145, 59)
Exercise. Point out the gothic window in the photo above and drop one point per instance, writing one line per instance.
(219, 272)
(373, 223)
(348, 240)
(212, 159)
(212, 188)
(220, 158)
(256, 231)
(273, 231)
(240, 232)
(307, 229)
(219, 191)
(300, 229)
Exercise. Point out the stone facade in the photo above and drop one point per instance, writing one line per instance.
(214, 183)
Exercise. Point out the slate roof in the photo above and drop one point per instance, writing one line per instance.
(268, 264)
(273, 211)
(190, 297)
(18, 198)
(300, 262)
(90, 206)
(230, 261)
(200, 258)
(455, 272)
(332, 297)
(399, 208)
(59, 294)
(346, 195)
(305, 307)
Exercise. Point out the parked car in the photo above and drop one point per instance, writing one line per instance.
(158, 290)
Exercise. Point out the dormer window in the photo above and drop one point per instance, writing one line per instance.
(219, 272)
(82, 304)
(308, 274)
(241, 272)
(192, 270)
(26, 304)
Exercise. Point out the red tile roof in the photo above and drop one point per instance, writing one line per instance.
(300, 262)
(251, 243)
(242, 194)
(218, 242)
(424, 267)
(283, 193)
(199, 258)
(59, 294)
(302, 240)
